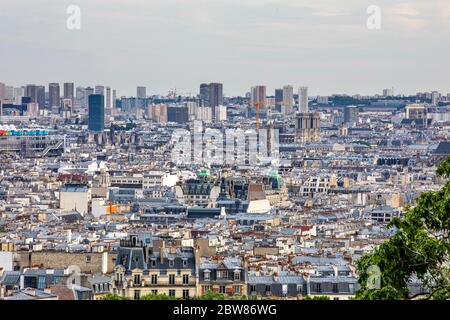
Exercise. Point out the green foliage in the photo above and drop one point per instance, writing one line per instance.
(111, 296)
(211, 295)
(152, 296)
(316, 298)
(420, 248)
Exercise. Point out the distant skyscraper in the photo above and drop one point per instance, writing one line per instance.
(258, 96)
(278, 99)
(288, 100)
(9, 93)
(54, 95)
(204, 95)
(18, 94)
(211, 95)
(80, 97)
(88, 91)
(303, 99)
(114, 101)
(69, 92)
(141, 92)
(435, 98)
(96, 112)
(40, 95)
(350, 114)
(388, 92)
(108, 100)
(35, 93)
(100, 90)
(2, 91)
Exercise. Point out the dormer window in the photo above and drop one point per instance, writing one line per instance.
(237, 275)
(185, 262)
(207, 275)
(153, 262)
(171, 262)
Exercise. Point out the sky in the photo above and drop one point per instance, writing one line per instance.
(165, 44)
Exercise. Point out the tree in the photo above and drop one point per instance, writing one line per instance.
(420, 248)
(111, 296)
(316, 298)
(211, 295)
(152, 296)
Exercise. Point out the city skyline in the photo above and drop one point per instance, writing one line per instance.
(306, 43)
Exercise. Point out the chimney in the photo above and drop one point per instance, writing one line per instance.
(105, 262)
(161, 251)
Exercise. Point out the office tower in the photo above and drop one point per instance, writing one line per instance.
(215, 95)
(388, 92)
(108, 101)
(80, 97)
(288, 100)
(114, 101)
(100, 90)
(303, 99)
(211, 95)
(350, 114)
(18, 94)
(435, 98)
(96, 112)
(307, 127)
(178, 114)
(278, 99)
(2, 91)
(31, 91)
(258, 95)
(9, 93)
(204, 95)
(69, 92)
(141, 92)
(40, 96)
(54, 95)
(88, 91)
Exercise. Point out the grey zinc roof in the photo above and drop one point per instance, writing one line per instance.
(10, 278)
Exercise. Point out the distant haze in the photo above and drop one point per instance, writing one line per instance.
(164, 44)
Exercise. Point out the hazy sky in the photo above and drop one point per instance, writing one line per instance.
(163, 44)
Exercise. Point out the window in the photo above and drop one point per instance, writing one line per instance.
(154, 279)
(171, 262)
(154, 291)
(237, 275)
(137, 279)
(88, 259)
(185, 262)
(171, 279)
(252, 288)
(207, 275)
(153, 262)
(299, 288)
(335, 288)
(171, 293)
(137, 294)
(185, 294)
(185, 279)
(222, 275)
(237, 289)
(222, 289)
(318, 287)
(268, 290)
